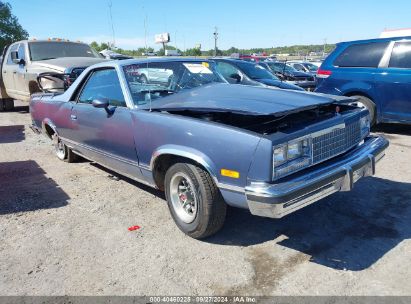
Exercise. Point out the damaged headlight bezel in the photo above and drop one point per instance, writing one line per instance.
(365, 125)
(292, 156)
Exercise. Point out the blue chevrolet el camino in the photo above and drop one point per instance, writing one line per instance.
(209, 144)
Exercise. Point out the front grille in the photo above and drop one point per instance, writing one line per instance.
(335, 142)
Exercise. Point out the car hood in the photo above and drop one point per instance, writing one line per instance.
(280, 84)
(61, 64)
(243, 100)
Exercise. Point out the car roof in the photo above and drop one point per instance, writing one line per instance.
(377, 40)
(121, 63)
(234, 60)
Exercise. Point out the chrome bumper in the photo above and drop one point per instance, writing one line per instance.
(339, 174)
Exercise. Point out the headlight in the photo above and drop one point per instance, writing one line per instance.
(365, 126)
(280, 155)
(291, 157)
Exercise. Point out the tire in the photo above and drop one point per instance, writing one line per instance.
(63, 152)
(206, 213)
(6, 104)
(370, 105)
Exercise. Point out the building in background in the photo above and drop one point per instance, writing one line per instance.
(387, 33)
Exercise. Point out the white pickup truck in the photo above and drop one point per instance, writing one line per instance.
(22, 62)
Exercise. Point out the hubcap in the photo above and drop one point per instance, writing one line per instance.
(183, 197)
(59, 147)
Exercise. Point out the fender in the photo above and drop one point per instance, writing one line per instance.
(186, 152)
(360, 88)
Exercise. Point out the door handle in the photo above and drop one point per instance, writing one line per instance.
(14, 72)
(4, 72)
(73, 117)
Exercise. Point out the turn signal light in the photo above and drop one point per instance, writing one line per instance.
(230, 173)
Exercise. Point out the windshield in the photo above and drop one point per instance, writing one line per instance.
(149, 82)
(51, 50)
(280, 67)
(256, 71)
(311, 67)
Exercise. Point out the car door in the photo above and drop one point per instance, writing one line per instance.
(104, 135)
(20, 81)
(9, 69)
(394, 84)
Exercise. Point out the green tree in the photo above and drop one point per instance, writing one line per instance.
(193, 52)
(10, 28)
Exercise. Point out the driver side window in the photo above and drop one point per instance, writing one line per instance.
(103, 84)
(228, 70)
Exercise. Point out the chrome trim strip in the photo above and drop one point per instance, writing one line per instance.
(121, 159)
(328, 130)
(104, 153)
(231, 187)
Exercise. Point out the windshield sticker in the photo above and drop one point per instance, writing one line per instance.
(197, 68)
(132, 70)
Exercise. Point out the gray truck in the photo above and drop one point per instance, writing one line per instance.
(22, 62)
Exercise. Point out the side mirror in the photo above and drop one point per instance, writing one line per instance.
(15, 58)
(236, 76)
(103, 104)
(100, 103)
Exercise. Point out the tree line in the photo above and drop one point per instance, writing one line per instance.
(298, 50)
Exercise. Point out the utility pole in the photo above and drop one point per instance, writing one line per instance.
(110, 4)
(215, 40)
(325, 43)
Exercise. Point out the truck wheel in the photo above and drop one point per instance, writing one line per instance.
(194, 200)
(63, 152)
(6, 104)
(369, 105)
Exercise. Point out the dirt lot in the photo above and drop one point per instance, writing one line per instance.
(63, 231)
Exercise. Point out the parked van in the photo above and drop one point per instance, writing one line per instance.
(376, 71)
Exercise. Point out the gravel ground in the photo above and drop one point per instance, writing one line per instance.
(63, 231)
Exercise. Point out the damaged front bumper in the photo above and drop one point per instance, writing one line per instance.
(339, 174)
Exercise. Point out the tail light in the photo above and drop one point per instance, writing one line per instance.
(323, 73)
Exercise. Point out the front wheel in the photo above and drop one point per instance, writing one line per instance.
(194, 200)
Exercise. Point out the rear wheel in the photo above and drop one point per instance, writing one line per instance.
(367, 103)
(63, 152)
(194, 200)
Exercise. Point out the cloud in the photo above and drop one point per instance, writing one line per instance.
(121, 42)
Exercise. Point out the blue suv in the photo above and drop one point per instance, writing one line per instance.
(376, 71)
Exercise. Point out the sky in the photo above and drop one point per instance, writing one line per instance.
(240, 23)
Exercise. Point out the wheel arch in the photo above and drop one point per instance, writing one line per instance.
(49, 128)
(165, 157)
(365, 94)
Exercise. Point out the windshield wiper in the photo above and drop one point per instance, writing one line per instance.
(46, 58)
(157, 91)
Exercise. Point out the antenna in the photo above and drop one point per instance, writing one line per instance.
(110, 4)
(215, 40)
